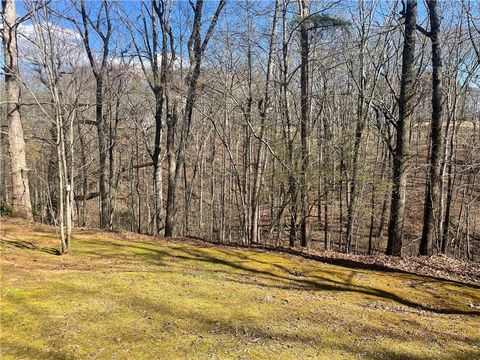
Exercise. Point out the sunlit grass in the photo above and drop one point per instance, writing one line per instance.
(116, 298)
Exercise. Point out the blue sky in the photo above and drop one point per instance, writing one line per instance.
(231, 17)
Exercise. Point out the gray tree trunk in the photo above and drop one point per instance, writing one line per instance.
(400, 156)
(21, 203)
(304, 126)
(436, 138)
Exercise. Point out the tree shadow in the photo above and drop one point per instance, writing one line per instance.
(316, 282)
(277, 275)
(131, 251)
(26, 245)
(24, 351)
(349, 263)
(287, 278)
(245, 328)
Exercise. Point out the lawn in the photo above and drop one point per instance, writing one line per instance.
(120, 296)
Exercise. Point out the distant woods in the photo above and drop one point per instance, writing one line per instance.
(336, 125)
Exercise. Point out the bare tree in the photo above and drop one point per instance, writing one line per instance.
(102, 26)
(157, 43)
(54, 61)
(431, 214)
(304, 125)
(400, 156)
(196, 50)
(21, 202)
(265, 109)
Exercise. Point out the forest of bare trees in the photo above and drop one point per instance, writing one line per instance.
(350, 126)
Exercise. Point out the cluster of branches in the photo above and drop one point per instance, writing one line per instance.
(344, 126)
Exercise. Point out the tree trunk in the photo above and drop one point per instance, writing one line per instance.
(436, 143)
(157, 167)
(304, 126)
(21, 203)
(170, 224)
(102, 151)
(261, 156)
(400, 156)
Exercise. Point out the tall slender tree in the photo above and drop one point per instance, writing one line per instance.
(304, 124)
(401, 152)
(436, 139)
(264, 108)
(196, 50)
(101, 25)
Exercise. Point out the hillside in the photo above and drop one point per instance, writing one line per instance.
(126, 296)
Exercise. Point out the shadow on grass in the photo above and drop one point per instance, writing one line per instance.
(246, 329)
(279, 276)
(349, 263)
(130, 251)
(283, 278)
(23, 351)
(26, 245)
(323, 283)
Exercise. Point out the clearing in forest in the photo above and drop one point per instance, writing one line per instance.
(126, 296)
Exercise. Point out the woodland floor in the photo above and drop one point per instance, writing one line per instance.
(123, 296)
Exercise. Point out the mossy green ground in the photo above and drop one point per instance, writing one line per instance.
(114, 298)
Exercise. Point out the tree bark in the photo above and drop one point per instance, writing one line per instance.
(400, 156)
(436, 138)
(170, 224)
(304, 126)
(102, 151)
(21, 203)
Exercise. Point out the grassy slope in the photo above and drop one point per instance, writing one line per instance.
(115, 298)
